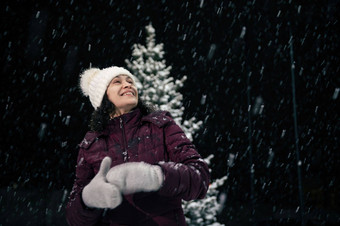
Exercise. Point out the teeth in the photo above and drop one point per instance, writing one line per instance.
(128, 93)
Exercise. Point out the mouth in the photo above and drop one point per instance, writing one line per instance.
(128, 93)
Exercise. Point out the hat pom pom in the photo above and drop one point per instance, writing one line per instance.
(85, 79)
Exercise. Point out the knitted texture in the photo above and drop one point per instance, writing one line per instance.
(94, 82)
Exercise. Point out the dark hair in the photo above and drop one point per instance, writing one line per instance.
(101, 115)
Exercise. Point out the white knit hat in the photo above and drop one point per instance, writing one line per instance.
(94, 82)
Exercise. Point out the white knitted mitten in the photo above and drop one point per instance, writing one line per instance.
(135, 177)
(99, 193)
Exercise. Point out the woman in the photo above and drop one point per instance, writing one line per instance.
(135, 165)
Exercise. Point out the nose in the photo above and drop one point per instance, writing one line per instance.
(126, 84)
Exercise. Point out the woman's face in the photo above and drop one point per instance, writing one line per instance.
(122, 92)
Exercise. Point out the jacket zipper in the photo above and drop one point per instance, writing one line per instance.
(125, 153)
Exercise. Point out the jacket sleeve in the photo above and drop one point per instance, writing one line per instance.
(77, 213)
(186, 175)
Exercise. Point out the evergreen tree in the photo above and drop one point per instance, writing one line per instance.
(203, 212)
(162, 91)
(159, 89)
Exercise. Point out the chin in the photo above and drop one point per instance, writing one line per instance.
(133, 105)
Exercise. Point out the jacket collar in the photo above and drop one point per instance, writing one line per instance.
(131, 119)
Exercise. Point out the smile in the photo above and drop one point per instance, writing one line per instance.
(128, 94)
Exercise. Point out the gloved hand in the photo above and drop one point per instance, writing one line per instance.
(135, 177)
(99, 193)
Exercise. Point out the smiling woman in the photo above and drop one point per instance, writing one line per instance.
(122, 92)
(135, 162)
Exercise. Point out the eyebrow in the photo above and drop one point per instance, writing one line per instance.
(119, 76)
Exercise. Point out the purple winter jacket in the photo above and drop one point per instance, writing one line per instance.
(154, 139)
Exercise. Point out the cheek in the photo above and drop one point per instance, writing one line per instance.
(110, 95)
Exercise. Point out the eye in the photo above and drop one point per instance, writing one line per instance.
(129, 80)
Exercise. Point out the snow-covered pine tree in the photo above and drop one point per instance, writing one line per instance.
(159, 89)
(162, 91)
(203, 212)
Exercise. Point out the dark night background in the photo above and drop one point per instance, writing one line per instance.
(46, 44)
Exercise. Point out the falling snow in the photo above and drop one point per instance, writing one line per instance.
(232, 64)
